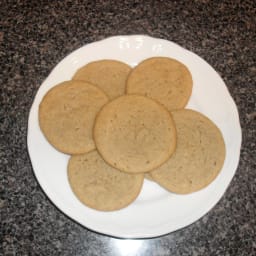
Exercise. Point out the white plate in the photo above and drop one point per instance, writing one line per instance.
(156, 211)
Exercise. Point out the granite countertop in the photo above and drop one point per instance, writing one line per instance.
(36, 35)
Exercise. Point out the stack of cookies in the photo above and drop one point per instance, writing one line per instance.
(121, 125)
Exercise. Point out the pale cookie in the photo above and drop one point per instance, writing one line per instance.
(199, 155)
(100, 186)
(163, 79)
(109, 75)
(67, 113)
(134, 133)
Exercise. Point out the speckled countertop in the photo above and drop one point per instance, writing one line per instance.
(36, 35)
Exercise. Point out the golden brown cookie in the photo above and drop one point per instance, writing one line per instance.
(109, 75)
(199, 155)
(100, 186)
(134, 133)
(164, 79)
(67, 113)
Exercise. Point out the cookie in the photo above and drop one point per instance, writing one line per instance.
(134, 133)
(199, 155)
(100, 186)
(67, 113)
(109, 75)
(163, 79)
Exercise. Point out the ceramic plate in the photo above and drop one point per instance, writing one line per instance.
(156, 211)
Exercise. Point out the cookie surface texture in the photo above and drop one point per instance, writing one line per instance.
(109, 75)
(67, 113)
(199, 154)
(134, 133)
(166, 80)
(100, 186)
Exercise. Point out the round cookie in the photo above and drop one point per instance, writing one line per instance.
(109, 75)
(163, 79)
(134, 133)
(67, 113)
(199, 155)
(100, 186)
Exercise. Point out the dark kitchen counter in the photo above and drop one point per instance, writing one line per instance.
(36, 35)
